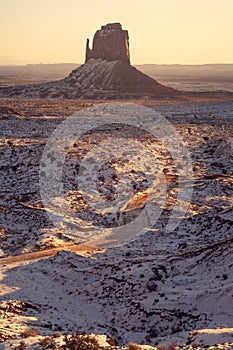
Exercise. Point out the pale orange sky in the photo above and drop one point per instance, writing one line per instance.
(161, 31)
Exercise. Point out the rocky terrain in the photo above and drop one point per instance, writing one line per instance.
(158, 289)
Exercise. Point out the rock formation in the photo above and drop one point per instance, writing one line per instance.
(106, 74)
(110, 43)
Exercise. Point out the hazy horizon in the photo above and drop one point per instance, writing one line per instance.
(161, 32)
(135, 64)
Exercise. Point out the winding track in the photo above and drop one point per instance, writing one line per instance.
(46, 253)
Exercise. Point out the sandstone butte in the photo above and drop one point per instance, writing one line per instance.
(106, 74)
(107, 68)
(110, 43)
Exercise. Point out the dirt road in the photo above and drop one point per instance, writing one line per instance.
(47, 253)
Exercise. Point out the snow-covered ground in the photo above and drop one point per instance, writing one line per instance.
(156, 289)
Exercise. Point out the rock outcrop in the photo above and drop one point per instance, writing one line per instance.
(110, 43)
(106, 74)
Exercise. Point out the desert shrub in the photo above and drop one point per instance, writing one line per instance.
(162, 347)
(48, 343)
(134, 346)
(80, 342)
(171, 346)
(195, 332)
(71, 342)
(22, 346)
(29, 333)
(224, 326)
(57, 335)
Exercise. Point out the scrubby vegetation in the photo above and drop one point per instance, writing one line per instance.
(71, 342)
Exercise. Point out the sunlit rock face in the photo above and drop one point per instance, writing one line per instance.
(110, 43)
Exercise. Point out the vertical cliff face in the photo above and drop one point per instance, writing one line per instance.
(110, 43)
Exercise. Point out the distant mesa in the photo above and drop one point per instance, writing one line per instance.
(106, 74)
